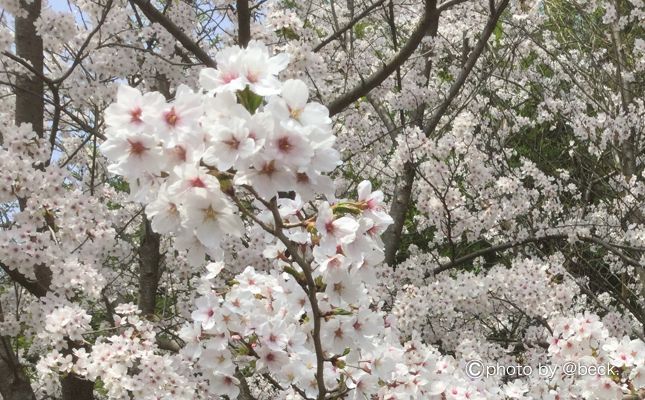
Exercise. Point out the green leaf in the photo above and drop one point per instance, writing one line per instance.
(498, 32)
(288, 33)
(360, 29)
(249, 100)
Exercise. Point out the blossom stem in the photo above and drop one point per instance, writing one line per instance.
(310, 288)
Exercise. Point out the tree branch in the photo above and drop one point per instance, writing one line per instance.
(490, 250)
(156, 16)
(535, 239)
(340, 103)
(149, 262)
(244, 23)
(403, 190)
(34, 287)
(466, 70)
(448, 4)
(14, 384)
(347, 27)
(30, 106)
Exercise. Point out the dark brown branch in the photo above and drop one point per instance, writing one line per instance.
(347, 27)
(245, 391)
(149, 268)
(55, 120)
(30, 106)
(244, 23)
(74, 387)
(156, 16)
(403, 191)
(398, 211)
(14, 384)
(535, 239)
(34, 287)
(340, 103)
(490, 250)
(79, 54)
(309, 287)
(466, 70)
(448, 4)
(613, 249)
(29, 67)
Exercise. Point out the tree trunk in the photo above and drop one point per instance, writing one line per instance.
(149, 261)
(30, 103)
(244, 22)
(75, 388)
(14, 385)
(403, 192)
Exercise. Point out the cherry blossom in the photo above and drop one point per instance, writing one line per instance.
(321, 200)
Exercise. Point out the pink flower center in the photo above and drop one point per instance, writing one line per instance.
(334, 263)
(252, 77)
(284, 145)
(171, 117)
(233, 143)
(180, 152)
(135, 115)
(268, 168)
(229, 76)
(136, 147)
(301, 177)
(197, 182)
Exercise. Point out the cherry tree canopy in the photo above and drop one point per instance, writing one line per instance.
(276, 199)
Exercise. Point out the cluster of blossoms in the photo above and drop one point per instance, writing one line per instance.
(586, 360)
(249, 149)
(584, 340)
(265, 322)
(541, 289)
(69, 234)
(125, 362)
(66, 322)
(310, 323)
(230, 171)
(181, 157)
